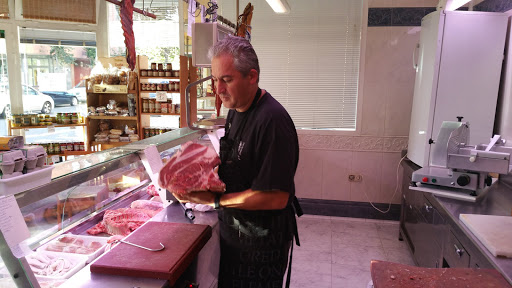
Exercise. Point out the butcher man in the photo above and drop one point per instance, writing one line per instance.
(259, 155)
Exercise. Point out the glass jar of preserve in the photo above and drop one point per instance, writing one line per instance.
(153, 66)
(25, 120)
(160, 66)
(145, 105)
(34, 120)
(151, 106)
(50, 148)
(17, 119)
(74, 118)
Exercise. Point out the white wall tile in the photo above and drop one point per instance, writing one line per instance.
(398, 110)
(308, 178)
(388, 179)
(369, 165)
(336, 167)
(374, 109)
(378, 48)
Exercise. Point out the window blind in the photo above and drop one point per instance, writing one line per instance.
(4, 9)
(309, 59)
(81, 11)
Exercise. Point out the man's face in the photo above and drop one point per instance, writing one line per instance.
(233, 88)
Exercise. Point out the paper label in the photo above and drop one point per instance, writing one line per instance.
(51, 129)
(72, 127)
(12, 224)
(161, 96)
(55, 159)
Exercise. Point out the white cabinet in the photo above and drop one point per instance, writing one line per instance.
(459, 62)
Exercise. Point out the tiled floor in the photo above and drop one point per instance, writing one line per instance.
(335, 252)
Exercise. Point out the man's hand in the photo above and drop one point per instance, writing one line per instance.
(198, 197)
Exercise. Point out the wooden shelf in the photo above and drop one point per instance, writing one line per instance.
(206, 110)
(168, 114)
(46, 126)
(154, 91)
(158, 77)
(114, 117)
(113, 144)
(123, 93)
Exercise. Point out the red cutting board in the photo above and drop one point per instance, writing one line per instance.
(182, 244)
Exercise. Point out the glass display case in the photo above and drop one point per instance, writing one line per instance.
(75, 200)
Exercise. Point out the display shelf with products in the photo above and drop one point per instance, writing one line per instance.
(111, 110)
(114, 117)
(174, 90)
(46, 126)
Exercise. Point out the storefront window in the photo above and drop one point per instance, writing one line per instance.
(5, 106)
(53, 76)
(156, 38)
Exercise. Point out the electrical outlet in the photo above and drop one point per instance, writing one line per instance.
(355, 178)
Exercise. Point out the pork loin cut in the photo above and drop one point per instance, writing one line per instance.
(122, 221)
(192, 169)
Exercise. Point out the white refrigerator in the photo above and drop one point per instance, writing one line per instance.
(458, 65)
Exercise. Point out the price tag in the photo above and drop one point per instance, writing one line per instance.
(161, 96)
(12, 224)
(55, 159)
(51, 129)
(72, 127)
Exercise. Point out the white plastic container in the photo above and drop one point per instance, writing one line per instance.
(86, 241)
(26, 181)
(77, 263)
(11, 161)
(34, 155)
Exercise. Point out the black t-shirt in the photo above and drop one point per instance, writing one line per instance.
(269, 147)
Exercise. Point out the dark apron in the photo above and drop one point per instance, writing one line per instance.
(254, 244)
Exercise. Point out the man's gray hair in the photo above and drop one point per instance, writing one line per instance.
(244, 56)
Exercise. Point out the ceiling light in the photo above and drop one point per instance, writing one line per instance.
(279, 6)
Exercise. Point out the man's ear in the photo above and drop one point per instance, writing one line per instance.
(253, 76)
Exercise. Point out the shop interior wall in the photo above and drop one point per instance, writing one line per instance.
(373, 151)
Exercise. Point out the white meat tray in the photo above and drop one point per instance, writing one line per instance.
(78, 262)
(87, 241)
(27, 181)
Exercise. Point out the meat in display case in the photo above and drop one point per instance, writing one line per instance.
(76, 224)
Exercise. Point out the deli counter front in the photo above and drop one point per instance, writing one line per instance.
(101, 223)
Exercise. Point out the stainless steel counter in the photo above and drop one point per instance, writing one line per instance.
(206, 264)
(498, 201)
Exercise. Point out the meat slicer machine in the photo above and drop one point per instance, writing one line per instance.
(458, 170)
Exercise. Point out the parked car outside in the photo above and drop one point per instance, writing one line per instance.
(62, 97)
(33, 101)
(79, 91)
